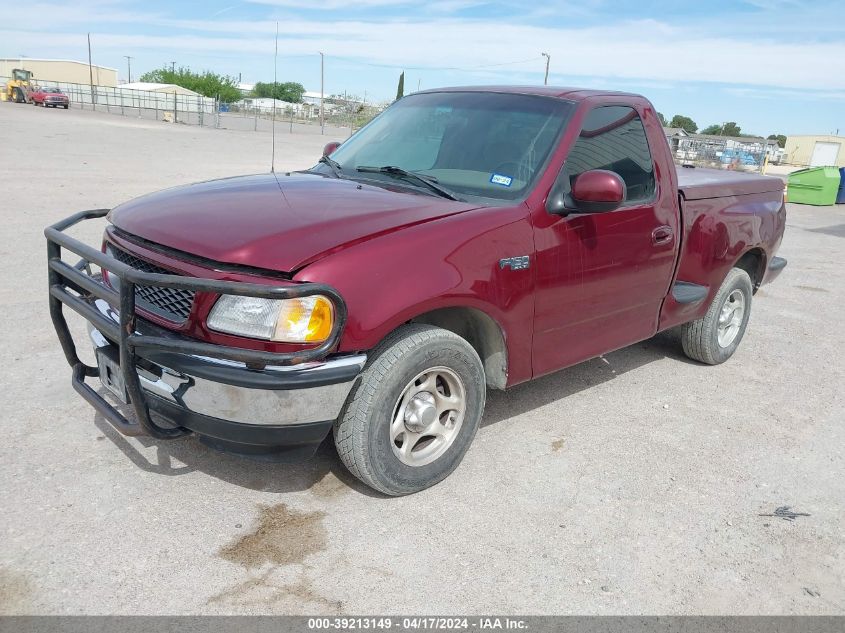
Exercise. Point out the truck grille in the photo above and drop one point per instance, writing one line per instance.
(172, 304)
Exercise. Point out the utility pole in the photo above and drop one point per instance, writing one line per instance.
(548, 59)
(322, 95)
(90, 72)
(129, 66)
(173, 67)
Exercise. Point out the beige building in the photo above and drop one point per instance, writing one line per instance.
(59, 71)
(820, 150)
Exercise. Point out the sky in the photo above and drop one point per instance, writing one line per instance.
(773, 66)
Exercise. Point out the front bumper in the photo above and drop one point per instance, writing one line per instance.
(284, 411)
(242, 400)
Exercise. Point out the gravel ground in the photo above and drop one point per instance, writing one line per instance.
(631, 484)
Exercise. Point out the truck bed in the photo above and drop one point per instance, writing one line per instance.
(700, 184)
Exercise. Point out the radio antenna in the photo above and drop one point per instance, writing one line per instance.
(275, 90)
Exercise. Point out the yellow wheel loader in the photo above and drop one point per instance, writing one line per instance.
(19, 86)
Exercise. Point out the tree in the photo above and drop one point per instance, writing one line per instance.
(662, 119)
(684, 122)
(289, 91)
(400, 90)
(726, 129)
(731, 129)
(207, 83)
(780, 138)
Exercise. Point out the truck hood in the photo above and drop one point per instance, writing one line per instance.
(277, 223)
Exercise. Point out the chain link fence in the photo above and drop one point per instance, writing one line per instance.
(205, 111)
(724, 152)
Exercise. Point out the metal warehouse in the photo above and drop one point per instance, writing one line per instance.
(819, 150)
(59, 70)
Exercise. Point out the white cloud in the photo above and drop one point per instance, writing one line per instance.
(330, 5)
(643, 50)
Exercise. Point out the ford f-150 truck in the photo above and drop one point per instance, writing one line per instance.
(466, 238)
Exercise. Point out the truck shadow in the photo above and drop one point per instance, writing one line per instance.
(324, 474)
(502, 405)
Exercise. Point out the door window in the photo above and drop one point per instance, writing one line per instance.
(613, 138)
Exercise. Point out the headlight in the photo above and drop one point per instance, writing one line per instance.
(304, 320)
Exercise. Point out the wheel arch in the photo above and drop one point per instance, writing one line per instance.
(481, 331)
(753, 261)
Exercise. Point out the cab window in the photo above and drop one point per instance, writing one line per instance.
(613, 138)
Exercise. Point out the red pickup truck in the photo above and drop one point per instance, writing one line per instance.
(50, 97)
(466, 238)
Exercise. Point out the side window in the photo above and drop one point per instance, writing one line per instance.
(613, 138)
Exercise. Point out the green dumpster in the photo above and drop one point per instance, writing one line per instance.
(816, 185)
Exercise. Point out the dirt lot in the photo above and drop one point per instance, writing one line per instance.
(634, 483)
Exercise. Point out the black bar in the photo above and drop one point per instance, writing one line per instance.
(130, 373)
(243, 355)
(87, 283)
(108, 327)
(125, 336)
(80, 370)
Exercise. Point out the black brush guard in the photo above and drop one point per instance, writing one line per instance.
(64, 277)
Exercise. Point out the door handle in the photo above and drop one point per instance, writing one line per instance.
(662, 235)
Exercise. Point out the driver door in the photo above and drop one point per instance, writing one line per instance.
(602, 277)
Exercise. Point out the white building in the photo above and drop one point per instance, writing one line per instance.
(163, 88)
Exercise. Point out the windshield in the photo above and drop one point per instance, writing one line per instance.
(477, 144)
(55, 91)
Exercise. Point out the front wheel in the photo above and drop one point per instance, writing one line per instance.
(415, 411)
(713, 338)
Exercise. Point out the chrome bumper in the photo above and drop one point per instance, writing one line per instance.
(302, 394)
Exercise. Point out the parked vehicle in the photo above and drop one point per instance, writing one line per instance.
(49, 97)
(467, 238)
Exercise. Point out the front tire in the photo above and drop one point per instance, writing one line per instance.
(713, 338)
(415, 411)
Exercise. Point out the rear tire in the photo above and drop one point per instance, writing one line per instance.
(713, 338)
(411, 418)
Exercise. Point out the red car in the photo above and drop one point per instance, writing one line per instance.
(50, 97)
(467, 238)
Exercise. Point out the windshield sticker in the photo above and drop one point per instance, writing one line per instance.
(499, 179)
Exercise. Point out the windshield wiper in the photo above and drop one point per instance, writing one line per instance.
(426, 181)
(337, 170)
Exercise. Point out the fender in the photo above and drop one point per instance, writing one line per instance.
(717, 234)
(447, 263)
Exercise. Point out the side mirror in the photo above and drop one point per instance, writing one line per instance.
(598, 191)
(594, 191)
(330, 148)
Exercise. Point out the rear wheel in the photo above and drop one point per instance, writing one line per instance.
(415, 411)
(713, 338)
